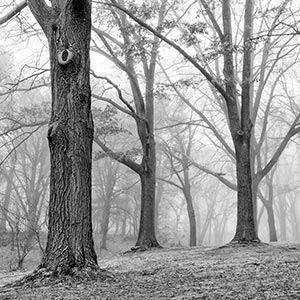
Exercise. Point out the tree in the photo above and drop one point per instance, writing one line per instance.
(133, 52)
(105, 180)
(67, 27)
(30, 184)
(179, 161)
(238, 115)
(236, 104)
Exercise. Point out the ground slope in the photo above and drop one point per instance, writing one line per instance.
(249, 272)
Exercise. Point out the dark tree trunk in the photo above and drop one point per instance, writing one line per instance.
(245, 229)
(271, 223)
(192, 218)
(188, 197)
(146, 235)
(70, 243)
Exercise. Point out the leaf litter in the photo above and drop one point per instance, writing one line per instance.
(259, 271)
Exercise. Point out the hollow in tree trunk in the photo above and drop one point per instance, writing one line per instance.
(67, 25)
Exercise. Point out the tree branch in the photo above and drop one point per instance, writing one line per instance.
(118, 156)
(170, 182)
(220, 176)
(202, 70)
(13, 12)
(212, 19)
(44, 15)
(295, 128)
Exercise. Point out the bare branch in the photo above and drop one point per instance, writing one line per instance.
(110, 101)
(44, 15)
(212, 19)
(170, 182)
(202, 70)
(295, 128)
(118, 91)
(118, 156)
(13, 12)
(20, 126)
(19, 144)
(220, 176)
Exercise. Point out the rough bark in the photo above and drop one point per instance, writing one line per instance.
(245, 229)
(147, 234)
(67, 26)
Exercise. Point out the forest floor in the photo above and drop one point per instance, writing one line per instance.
(244, 272)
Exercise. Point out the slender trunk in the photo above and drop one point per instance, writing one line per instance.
(271, 223)
(7, 195)
(105, 223)
(255, 185)
(135, 221)
(191, 215)
(158, 198)
(70, 243)
(268, 204)
(294, 221)
(5, 205)
(282, 217)
(124, 223)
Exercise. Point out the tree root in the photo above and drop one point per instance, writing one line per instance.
(235, 244)
(141, 248)
(44, 277)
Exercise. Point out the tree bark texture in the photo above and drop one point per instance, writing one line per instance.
(240, 123)
(245, 229)
(147, 234)
(70, 135)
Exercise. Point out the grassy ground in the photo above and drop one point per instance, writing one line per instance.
(249, 272)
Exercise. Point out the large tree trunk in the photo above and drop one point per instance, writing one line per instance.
(245, 229)
(70, 135)
(147, 236)
(241, 126)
